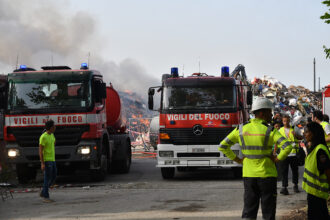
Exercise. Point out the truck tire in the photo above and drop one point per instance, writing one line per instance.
(124, 165)
(25, 174)
(101, 173)
(167, 172)
(237, 171)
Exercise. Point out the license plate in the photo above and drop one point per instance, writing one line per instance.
(198, 150)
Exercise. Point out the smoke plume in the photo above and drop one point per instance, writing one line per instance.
(43, 33)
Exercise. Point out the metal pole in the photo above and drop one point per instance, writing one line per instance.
(319, 85)
(314, 75)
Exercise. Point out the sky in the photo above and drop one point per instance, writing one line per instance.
(136, 41)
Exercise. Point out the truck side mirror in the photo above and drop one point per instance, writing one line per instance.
(100, 91)
(103, 90)
(249, 97)
(151, 93)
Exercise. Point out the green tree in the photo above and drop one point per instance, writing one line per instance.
(326, 18)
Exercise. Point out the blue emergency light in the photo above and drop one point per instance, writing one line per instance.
(175, 72)
(225, 71)
(84, 66)
(23, 67)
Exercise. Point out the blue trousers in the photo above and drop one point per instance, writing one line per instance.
(50, 174)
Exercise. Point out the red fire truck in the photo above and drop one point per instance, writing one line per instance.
(196, 113)
(326, 100)
(90, 133)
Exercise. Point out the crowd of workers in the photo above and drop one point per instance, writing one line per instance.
(266, 141)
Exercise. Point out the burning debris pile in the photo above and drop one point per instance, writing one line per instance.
(295, 101)
(138, 119)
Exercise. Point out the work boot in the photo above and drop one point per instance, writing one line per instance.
(295, 189)
(284, 191)
(48, 200)
(41, 195)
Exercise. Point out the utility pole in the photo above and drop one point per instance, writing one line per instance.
(314, 75)
(319, 85)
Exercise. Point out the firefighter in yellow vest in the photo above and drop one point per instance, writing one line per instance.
(317, 116)
(316, 177)
(256, 139)
(288, 132)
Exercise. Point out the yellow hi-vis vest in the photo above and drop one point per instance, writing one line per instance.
(324, 123)
(293, 139)
(313, 182)
(256, 139)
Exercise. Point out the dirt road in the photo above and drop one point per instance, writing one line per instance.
(142, 194)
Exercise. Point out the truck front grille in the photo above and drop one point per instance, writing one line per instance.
(65, 135)
(207, 154)
(183, 136)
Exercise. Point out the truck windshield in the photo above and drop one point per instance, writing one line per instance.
(198, 97)
(60, 93)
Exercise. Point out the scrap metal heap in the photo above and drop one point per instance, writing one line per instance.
(296, 101)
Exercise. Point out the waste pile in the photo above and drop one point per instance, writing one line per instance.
(296, 101)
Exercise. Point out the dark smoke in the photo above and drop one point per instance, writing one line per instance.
(44, 33)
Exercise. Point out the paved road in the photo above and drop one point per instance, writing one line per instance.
(142, 194)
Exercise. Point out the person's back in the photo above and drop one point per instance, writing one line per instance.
(256, 139)
(258, 162)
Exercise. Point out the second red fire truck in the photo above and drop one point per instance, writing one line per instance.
(196, 113)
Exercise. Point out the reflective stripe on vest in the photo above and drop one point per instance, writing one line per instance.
(254, 147)
(313, 182)
(293, 141)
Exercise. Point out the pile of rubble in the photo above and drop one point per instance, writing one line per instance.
(295, 101)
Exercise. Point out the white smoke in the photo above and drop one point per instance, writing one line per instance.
(43, 33)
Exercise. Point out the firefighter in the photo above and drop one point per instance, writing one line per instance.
(288, 132)
(317, 116)
(256, 139)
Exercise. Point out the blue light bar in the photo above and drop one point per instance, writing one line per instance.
(225, 71)
(22, 66)
(175, 72)
(84, 66)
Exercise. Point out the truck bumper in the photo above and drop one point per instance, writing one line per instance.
(195, 156)
(65, 155)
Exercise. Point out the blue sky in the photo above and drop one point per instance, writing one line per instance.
(133, 42)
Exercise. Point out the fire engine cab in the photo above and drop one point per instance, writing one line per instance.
(196, 113)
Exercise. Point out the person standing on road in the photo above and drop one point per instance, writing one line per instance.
(317, 116)
(288, 132)
(47, 158)
(256, 139)
(316, 177)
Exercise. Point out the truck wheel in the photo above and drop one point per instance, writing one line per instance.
(25, 174)
(237, 171)
(101, 173)
(168, 172)
(123, 166)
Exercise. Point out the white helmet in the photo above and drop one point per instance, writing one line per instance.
(261, 103)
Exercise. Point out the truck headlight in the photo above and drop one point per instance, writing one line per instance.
(13, 153)
(84, 150)
(166, 153)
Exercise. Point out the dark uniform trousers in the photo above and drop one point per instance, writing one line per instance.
(317, 208)
(256, 189)
(293, 163)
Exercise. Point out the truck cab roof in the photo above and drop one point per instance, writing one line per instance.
(199, 81)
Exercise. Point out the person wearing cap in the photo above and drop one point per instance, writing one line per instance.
(317, 116)
(288, 132)
(256, 139)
